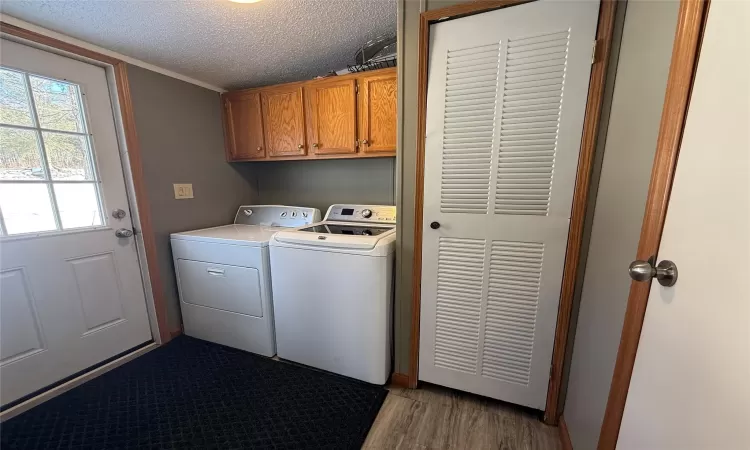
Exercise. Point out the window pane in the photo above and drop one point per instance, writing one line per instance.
(14, 99)
(78, 205)
(57, 104)
(19, 155)
(26, 208)
(68, 156)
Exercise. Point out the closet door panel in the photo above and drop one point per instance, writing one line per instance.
(505, 107)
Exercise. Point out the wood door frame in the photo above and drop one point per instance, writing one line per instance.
(604, 34)
(691, 22)
(132, 146)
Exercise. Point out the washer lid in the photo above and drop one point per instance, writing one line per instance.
(322, 236)
(250, 235)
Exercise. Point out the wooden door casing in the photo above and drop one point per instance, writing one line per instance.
(377, 113)
(244, 126)
(284, 121)
(332, 117)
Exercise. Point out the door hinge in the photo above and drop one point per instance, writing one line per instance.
(594, 46)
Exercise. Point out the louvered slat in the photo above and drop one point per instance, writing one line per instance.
(529, 122)
(458, 303)
(512, 300)
(469, 128)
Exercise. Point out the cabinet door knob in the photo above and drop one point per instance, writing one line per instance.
(300, 146)
(316, 145)
(260, 148)
(364, 142)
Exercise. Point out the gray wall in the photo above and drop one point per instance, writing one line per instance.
(321, 183)
(626, 167)
(181, 137)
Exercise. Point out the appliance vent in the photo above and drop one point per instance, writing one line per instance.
(469, 128)
(529, 123)
(512, 300)
(458, 304)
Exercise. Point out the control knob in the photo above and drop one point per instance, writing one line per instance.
(366, 213)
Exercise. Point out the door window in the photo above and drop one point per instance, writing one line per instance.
(48, 177)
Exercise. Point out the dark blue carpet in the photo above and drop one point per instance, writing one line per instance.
(195, 394)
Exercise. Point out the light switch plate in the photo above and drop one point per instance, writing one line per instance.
(182, 191)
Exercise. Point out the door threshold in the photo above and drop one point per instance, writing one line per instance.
(65, 386)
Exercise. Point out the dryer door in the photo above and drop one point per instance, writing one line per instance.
(220, 286)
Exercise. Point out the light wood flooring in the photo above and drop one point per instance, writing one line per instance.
(433, 417)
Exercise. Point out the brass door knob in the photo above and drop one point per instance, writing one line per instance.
(364, 142)
(260, 148)
(316, 145)
(300, 146)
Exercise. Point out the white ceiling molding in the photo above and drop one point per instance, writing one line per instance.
(224, 44)
(136, 62)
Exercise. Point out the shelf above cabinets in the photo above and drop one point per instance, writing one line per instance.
(350, 116)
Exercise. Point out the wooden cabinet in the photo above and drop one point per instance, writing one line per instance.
(284, 121)
(349, 116)
(377, 113)
(243, 126)
(332, 116)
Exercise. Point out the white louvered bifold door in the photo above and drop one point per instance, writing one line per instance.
(505, 107)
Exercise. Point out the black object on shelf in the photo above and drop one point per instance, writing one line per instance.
(373, 65)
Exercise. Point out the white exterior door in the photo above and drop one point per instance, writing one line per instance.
(505, 107)
(71, 293)
(689, 388)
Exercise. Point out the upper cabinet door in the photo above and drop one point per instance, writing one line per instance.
(377, 113)
(332, 116)
(243, 126)
(284, 120)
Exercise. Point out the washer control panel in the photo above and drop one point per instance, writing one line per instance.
(276, 215)
(362, 213)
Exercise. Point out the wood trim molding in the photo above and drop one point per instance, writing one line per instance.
(33, 36)
(604, 33)
(564, 434)
(690, 26)
(133, 150)
(468, 8)
(588, 144)
(400, 380)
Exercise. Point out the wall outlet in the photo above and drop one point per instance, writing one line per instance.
(183, 191)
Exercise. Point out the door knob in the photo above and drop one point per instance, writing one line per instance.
(435, 225)
(300, 146)
(364, 141)
(118, 213)
(316, 145)
(665, 272)
(124, 233)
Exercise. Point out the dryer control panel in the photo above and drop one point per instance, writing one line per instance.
(361, 213)
(276, 215)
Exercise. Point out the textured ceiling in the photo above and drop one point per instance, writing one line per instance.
(226, 44)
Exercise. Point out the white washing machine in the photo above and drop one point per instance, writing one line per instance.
(224, 277)
(333, 292)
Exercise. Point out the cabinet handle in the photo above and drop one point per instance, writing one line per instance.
(260, 148)
(300, 146)
(364, 142)
(316, 145)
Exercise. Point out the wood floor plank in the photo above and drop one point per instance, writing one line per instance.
(433, 417)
